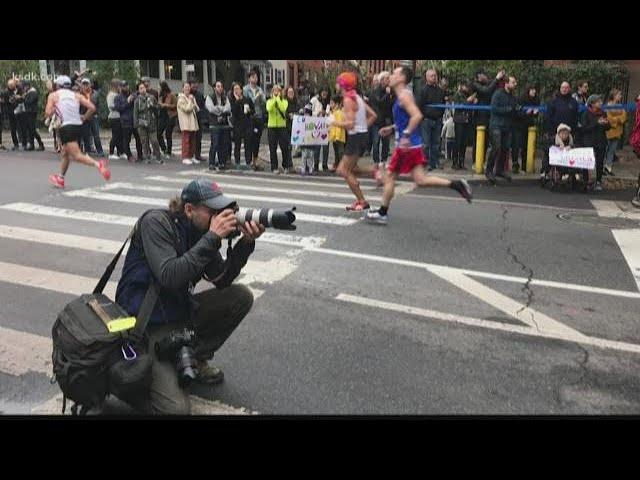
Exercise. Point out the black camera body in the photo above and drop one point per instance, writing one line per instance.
(179, 347)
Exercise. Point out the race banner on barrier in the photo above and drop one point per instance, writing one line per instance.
(575, 158)
(307, 130)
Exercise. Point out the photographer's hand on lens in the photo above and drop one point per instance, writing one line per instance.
(251, 230)
(224, 223)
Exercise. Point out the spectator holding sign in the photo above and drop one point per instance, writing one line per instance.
(277, 130)
(594, 127)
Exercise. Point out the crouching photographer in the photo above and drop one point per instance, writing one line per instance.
(176, 248)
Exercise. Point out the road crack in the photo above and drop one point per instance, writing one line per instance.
(526, 289)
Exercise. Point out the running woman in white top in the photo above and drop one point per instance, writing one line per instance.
(66, 105)
(408, 156)
(358, 117)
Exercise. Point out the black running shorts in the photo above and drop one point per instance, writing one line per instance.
(356, 144)
(69, 133)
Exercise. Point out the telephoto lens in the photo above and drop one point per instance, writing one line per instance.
(187, 366)
(268, 217)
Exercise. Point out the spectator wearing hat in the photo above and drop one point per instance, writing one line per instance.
(150, 90)
(123, 103)
(594, 126)
(177, 248)
(85, 131)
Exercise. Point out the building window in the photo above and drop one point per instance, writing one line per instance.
(150, 68)
(268, 75)
(173, 69)
(279, 77)
(197, 74)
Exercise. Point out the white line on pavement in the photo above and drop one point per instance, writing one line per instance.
(122, 220)
(611, 209)
(236, 186)
(92, 193)
(428, 266)
(498, 202)
(527, 315)
(23, 352)
(110, 246)
(224, 176)
(476, 322)
(51, 280)
(629, 243)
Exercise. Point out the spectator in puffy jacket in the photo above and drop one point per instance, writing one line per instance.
(563, 108)
(484, 91)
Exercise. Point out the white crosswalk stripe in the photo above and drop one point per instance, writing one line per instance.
(24, 352)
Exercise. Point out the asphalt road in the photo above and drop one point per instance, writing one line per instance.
(432, 314)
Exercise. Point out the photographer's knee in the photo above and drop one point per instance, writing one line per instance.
(244, 298)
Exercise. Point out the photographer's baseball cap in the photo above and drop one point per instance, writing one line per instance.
(203, 191)
(124, 83)
(86, 81)
(145, 79)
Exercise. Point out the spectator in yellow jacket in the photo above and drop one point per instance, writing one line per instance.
(337, 135)
(277, 130)
(617, 119)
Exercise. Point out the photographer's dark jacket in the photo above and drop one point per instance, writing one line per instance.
(178, 256)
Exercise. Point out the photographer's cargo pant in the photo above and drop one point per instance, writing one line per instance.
(219, 313)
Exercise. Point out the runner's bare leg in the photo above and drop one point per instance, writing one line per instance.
(423, 180)
(345, 169)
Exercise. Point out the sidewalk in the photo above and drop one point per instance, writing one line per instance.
(626, 170)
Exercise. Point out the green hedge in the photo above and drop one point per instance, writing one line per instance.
(601, 75)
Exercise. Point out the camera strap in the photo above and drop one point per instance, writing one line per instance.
(150, 298)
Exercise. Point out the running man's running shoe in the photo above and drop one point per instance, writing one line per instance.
(463, 188)
(374, 216)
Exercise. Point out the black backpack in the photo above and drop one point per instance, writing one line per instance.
(90, 362)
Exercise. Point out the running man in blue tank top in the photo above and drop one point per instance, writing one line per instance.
(408, 156)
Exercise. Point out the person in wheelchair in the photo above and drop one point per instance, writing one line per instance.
(564, 141)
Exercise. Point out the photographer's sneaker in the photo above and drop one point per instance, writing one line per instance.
(187, 161)
(195, 161)
(115, 157)
(209, 374)
(374, 216)
(123, 157)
